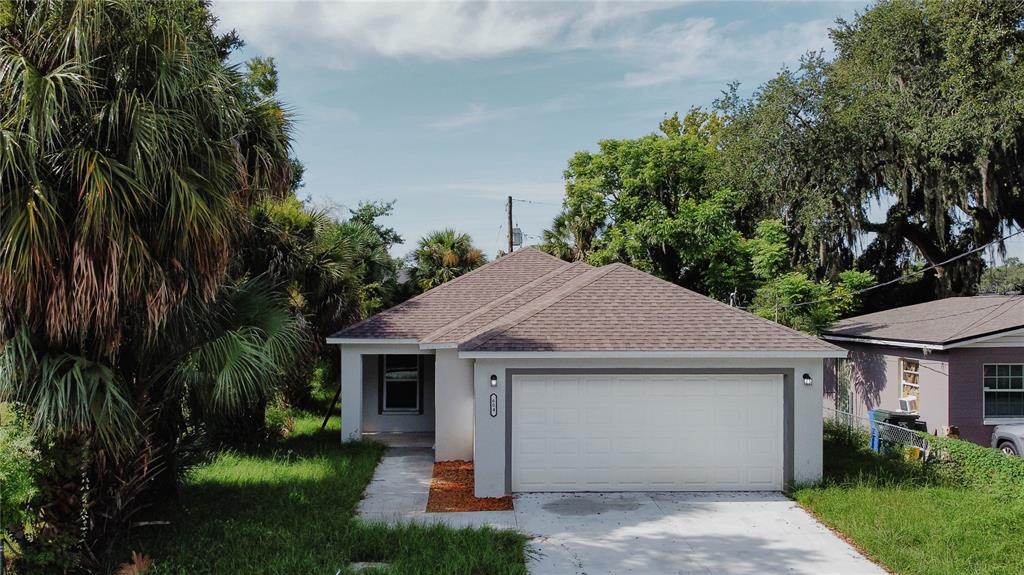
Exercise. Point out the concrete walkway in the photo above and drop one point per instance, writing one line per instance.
(399, 489)
(674, 533)
(641, 533)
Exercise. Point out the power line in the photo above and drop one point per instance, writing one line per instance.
(904, 277)
(535, 202)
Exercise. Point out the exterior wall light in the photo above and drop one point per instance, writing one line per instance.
(494, 381)
(807, 379)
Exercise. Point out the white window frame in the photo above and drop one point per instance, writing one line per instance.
(385, 410)
(916, 399)
(997, 419)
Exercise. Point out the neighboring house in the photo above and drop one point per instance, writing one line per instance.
(554, 376)
(955, 362)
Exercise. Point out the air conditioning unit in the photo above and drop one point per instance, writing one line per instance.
(908, 404)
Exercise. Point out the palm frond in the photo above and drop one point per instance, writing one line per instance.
(66, 393)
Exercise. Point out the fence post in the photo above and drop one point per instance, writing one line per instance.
(875, 441)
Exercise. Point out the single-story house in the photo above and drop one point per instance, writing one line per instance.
(955, 362)
(557, 376)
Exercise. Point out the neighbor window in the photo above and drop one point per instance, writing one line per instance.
(1004, 390)
(400, 384)
(910, 385)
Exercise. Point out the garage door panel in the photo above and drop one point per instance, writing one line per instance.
(646, 432)
(565, 415)
(599, 415)
(565, 446)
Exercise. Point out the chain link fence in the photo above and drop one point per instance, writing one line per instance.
(880, 434)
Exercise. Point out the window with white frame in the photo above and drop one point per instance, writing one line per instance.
(910, 385)
(1004, 391)
(401, 384)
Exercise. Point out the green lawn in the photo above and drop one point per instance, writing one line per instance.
(914, 520)
(288, 510)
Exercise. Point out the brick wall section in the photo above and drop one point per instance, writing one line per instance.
(966, 401)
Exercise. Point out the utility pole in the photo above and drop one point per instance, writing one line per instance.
(509, 210)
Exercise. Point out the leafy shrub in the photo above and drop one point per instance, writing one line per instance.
(18, 461)
(979, 466)
(849, 461)
(317, 380)
(845, 436)
(280, 420)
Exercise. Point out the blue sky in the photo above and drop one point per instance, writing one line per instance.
(448, 108)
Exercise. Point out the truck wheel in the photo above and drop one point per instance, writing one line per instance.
(1008, 449)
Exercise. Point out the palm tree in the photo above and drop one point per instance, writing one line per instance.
(335, 272)
(571, 236)
(442, 256)
(130, 154)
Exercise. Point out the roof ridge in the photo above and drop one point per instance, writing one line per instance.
(735, 310)
(447, 284)
(534, 307)
(433, 336)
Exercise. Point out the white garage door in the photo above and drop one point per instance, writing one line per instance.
(647, 432)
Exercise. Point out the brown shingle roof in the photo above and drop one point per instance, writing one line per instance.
(619, 308)
(434, 309)
(484, 316)
(939, 322)
(529, 301)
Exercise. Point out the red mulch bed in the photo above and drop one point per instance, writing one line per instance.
(451, 490)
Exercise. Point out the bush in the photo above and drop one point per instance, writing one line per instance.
(18, 462)
(280, 420)
(317, 381)
(845, 435)
(978, 466)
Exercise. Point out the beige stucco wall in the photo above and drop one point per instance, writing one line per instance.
(453, 433)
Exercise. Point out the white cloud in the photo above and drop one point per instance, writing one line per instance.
(343, 32)
(657, 50)
(699, 47)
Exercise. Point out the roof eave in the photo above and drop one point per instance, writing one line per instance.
(688, 354)
(439, 345)
(885, 341)
(930, 345)
(369, 341)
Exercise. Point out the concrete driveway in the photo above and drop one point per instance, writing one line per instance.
(662, 533)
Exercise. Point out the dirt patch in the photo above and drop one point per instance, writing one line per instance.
(451, 490)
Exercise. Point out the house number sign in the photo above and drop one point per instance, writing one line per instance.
(494, 405)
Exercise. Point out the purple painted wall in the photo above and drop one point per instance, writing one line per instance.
(966, 398)
(876, 375)
(951, 383)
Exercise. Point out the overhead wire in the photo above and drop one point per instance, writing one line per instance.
(535, 202)
(903, 277)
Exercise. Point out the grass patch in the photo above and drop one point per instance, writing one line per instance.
(915, 518)
(288, 509)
